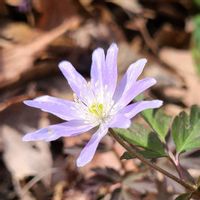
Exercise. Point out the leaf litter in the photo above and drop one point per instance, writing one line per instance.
(28, 53)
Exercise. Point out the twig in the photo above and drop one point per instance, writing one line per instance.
(15, 100)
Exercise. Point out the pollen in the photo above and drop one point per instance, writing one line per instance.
(97, 110)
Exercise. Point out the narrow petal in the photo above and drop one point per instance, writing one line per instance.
(62, 108)
(135, 108)
(139, 87)
(97, 68)
(89, 150)
(54, 132)
(120, 121)
(76, 81)
(129, 79)
(110, 73)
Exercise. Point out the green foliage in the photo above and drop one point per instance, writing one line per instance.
(159, 122)
(186, 130)
(145, 138)
(185, 196)
(148, 154)
(195, 115)
(197, 3)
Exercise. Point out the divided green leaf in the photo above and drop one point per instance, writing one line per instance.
(145, 138)
(186, 130)
(159, 122)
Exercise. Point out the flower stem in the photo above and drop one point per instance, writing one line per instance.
(173, 161)
(135, 153)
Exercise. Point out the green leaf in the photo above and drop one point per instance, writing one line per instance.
(186, 130)
(146, 153)
(143, 137)
(185, 196)
(158, 121)
(195, 115)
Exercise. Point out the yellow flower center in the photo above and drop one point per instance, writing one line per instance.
(96, 109)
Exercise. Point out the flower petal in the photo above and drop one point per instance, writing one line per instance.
(129, 79)
(139, 87)
(97, 68)
(110, 72)
(89, 150)
(97, 74)
(76, 81)
(54, 132)
(135, 108)
(62, 108)
(120, 121)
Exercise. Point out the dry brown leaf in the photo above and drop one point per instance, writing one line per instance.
(128, 165)
(17, 60)
(172, 109)
(90, 31)
(105, 159)
(75, 195)
(23, 159)
(53, 12)
(181, 61)
(101, 159)
(129, 5)
(14, 2)
(19, 33)
(164, 35)
(58, 191)
(14, 100)
(127, 55)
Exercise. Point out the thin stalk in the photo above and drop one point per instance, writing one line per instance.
(173, 161)
(134, 153)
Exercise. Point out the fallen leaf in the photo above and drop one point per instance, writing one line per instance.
(17, 60)
(181, 61)
(14, 2)
(128, 5)
(24, 159)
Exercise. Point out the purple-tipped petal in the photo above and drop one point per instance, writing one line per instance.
(62, 108)
(139, 87)
(110, 72)
(120, 121)
(76, 81)
(129, 79)
(71, 128)
(89, 150)
(135, 108)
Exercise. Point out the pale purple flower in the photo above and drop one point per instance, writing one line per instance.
(100, 103)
